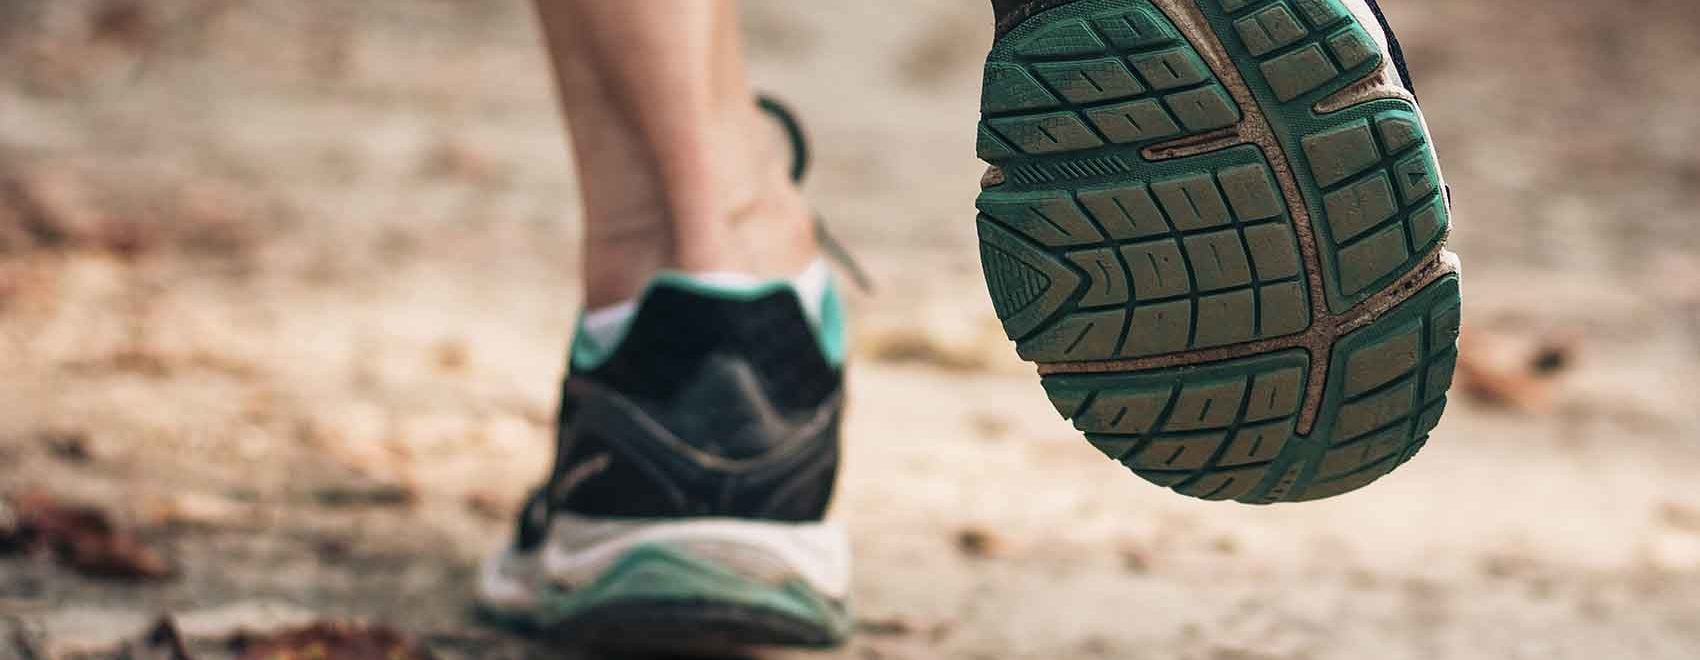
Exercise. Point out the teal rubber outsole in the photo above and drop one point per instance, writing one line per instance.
(657, 598)
(1233, 282)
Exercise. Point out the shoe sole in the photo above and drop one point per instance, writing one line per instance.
(680, 587)
(1218, 228)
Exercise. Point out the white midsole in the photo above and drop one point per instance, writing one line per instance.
(578, 550)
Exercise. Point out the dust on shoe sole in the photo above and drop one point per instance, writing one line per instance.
(1238, 295)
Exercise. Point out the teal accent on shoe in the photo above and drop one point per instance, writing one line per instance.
(664, 586)
(831, 330)
(587, 353)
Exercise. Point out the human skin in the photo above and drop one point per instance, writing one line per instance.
(677, 168)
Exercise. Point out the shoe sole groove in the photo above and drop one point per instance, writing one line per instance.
(1248, 228)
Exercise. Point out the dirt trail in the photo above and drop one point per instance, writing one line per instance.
(294, 287)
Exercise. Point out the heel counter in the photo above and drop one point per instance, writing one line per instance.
(709, 406)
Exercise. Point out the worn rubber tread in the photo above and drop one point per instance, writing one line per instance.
(1169, 275)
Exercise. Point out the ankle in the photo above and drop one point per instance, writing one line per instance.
(768, 226)
(760, 225)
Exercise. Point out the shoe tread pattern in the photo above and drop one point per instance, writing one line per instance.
(1099, 247)
(1138, 269)
(1367, 172)
(1225, 431)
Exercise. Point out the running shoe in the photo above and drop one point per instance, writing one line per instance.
(697, 451)
(1218, 227)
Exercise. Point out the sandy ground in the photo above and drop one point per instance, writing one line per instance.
(304, 309)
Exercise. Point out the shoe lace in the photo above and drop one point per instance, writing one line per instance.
(834, 249)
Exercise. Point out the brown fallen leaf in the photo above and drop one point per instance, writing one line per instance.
(979, 543)
(1516, 372)
(82, 538)
(332, 640)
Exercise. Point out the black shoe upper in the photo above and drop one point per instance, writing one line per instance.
(710, 407)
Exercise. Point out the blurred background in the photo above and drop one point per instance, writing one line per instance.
(285, 291)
